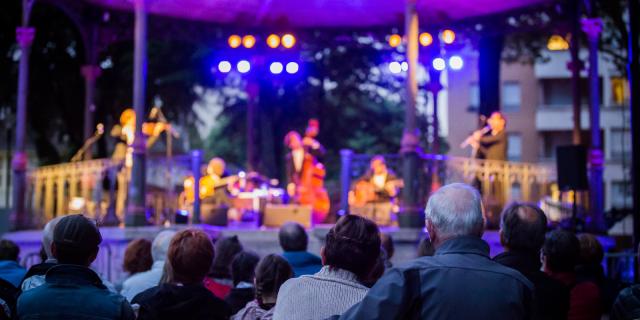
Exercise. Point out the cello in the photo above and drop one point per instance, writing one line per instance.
(311, 191)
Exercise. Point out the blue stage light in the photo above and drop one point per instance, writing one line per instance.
(439, 64)
(292, 67)
(405, 66)
(395, 67)
(276, 68)
(456, 63)
(224, 66)
(243, 66)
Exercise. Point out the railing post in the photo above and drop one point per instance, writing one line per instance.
(346, 155)
(61, 201)
(196, 161)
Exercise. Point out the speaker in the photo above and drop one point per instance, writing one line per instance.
(571, 165)
(275, 215)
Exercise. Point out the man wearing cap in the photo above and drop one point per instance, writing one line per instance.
(72, 290)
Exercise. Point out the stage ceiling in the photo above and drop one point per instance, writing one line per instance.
(321, 13)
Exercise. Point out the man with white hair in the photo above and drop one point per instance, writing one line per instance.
(460, 281)
(144, 280)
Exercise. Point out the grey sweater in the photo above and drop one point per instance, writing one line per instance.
(319, 296)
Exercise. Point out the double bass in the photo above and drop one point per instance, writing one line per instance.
(311, 191)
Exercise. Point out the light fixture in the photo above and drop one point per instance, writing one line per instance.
(248, 41)
(288, 40)
(439, 64)
(395, 67)
(234, 41)
(426, 39)
(395, 40)
(456, 63)
(448, 36)
(224, 66)
(276, 67)
(292, 67)
(273, 41)
(243, 66)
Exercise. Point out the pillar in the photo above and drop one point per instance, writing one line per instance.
(410, 214)
(592, 28)
(575, 66)
(633, 70)
(24, 37)
(135, 212)
(346, 156)
(89, 73)
(196, 163)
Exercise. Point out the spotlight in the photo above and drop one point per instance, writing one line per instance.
(404, 66)
(395, 67)
(426, 39)
(439, 64)
(224, 66)
(395, 40)
(234, 41)
(456, 63)
(273, 41)
(276, 67)
(292, 67)
(243, 66)
(288, 40)
(248, 41)
(448, 36)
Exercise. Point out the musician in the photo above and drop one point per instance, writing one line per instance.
(491, 141)
(296, 157)
(382, 181)
(310, 142)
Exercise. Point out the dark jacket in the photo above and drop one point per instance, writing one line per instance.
(627, 305)
(303, 262)
(73, 292)
(493, 147)
(239, 297)
(459, 282)
(169, 301)
(551, 296)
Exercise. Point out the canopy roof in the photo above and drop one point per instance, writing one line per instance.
(321, 13)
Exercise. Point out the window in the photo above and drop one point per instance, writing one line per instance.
(511, 96)
(474, 97)
(621, 194)
(619, 93)
(559, 93)
(620, 142)
(514, 146)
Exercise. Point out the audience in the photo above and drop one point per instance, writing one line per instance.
(151, 278)
(425, 248)
(560, 255)
(71, 289)
(522, 230)
(243, 273)
(137, 256)
(627, 304)
(219, 280)
(189, 259)
(459, 282)
(271, 273)
(294, 241)
(10, 269)
(589, 269)
(388, 249)
(351, 250)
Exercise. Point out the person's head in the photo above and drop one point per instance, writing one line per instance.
(313, 128)
(497, 121)
(293, 140)
(243, 267)
(160, 245)
(425, 248)
(216, 167)
(560, 251)
(591, 251)
(76, 240)
(387, 244)
(137, 256)
(522, 227)
(47, 235)
(9, 250)
(293, 237)
(272, 271)
(454, 210)
(353, 244)
(226, 250)
(378, 165)
(190, 256)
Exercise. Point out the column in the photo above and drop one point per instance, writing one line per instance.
(409, 215)
(89, 73)
(24, 36)
(575, 66)
(196, 163)
(135, 210)
(634, 107)
(592, 28)
(345, 180)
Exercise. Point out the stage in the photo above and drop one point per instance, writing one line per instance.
(260, 240)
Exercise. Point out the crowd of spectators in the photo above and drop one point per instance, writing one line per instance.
(186, 274)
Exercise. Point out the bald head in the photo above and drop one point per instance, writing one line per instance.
(455, 210)
(522, 227)
(47, 235)
(293, 237)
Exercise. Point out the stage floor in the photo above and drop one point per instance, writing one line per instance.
(259, 240)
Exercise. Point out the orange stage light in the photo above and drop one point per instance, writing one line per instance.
(448, 36)
(248, 41)
(234, 41)
(273, 41)
(426, 39)
(288, 40)
(395, 40)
